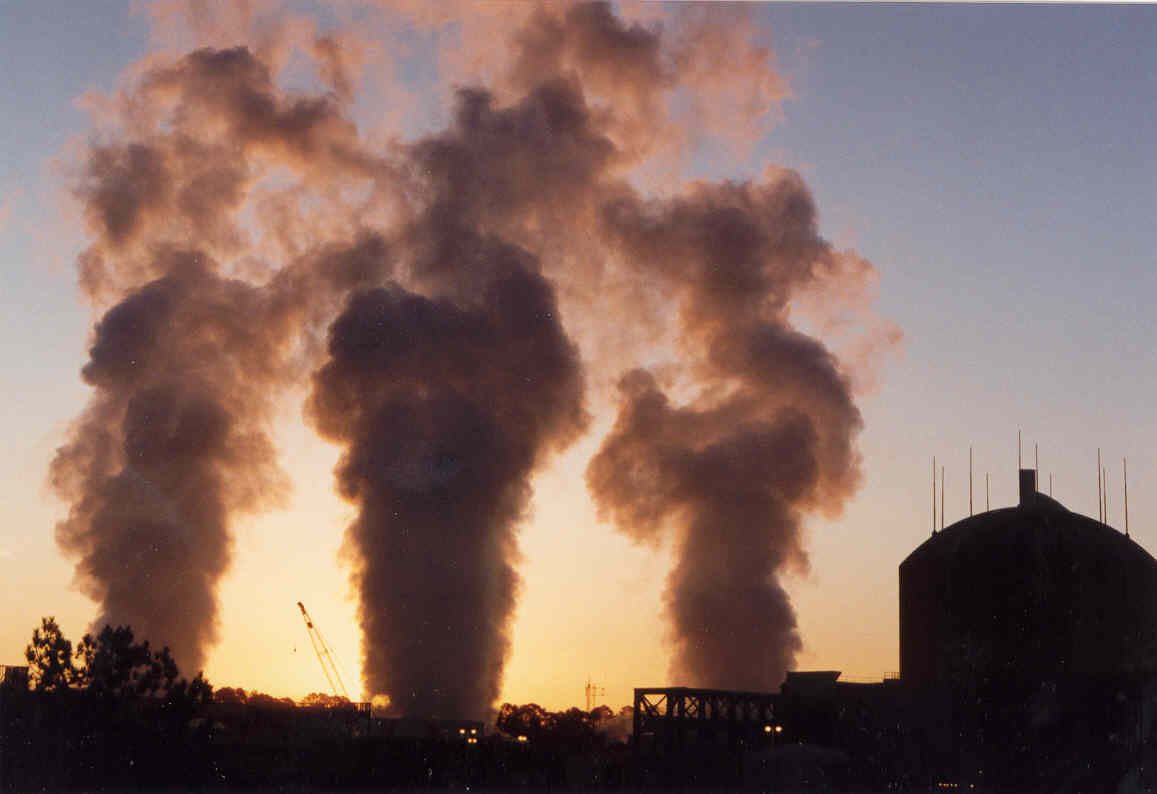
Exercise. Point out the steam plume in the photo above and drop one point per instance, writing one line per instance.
(769, 436)
(167, 449)
(448, 403)
(231, 221)
(188, 360)
(446, 409)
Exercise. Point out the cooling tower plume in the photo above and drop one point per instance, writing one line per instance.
(433, 290)
(174, 442)
(769, 434)
(445, 408)
(766, 437)
(170, 446)
(449, 393)
(202, 329)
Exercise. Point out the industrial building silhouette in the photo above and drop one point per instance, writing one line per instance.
(1033, 590)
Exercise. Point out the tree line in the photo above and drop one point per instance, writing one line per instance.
(113, 663)
(114, 711)
(110, 664)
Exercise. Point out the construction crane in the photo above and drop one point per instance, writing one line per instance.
(324, 655)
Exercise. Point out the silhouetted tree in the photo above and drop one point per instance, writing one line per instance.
(573, 727)
(119, 714)
(109, 664)
(530, 720)
(191, 692)
(230, 694)
(112, 664)
(49, 657)
(322, 700)
(269, 701)
(616, 727)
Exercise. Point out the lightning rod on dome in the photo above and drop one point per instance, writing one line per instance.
(969, 480)
(1105, 478)
(1100, 501)
(1125, 476)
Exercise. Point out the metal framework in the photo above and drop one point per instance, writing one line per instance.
(671, 718)
(594, 692)
(324, 655)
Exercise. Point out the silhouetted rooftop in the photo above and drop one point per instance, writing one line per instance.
(1036, 521)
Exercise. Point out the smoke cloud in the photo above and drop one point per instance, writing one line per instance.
(445, 410)
(169, 447)
(768, 437)
(454, 300)
(188, 360)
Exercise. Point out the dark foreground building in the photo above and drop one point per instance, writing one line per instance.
(1033, 590)
(1033, 630)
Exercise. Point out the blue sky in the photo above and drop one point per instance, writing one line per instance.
(995, 162)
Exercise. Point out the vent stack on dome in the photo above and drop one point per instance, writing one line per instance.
(1027, 486)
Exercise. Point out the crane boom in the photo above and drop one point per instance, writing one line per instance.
(324, 655)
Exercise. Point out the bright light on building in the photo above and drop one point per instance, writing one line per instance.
(767, 729)
(779, 729)
(522, 738)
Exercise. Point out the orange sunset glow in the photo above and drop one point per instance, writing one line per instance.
(536, 345)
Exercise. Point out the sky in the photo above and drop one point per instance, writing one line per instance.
(991, 161)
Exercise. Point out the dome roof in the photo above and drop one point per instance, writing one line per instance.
(1035, 522)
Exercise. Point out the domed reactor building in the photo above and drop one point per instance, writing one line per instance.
(1028, 592)
(1028, 639)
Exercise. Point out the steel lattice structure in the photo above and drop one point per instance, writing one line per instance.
(671, 718)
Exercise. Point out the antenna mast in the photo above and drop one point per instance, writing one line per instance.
(1100, 499)
(933, 494)
(1125, 472)
(324, 655)
(969, 480)
(987, 505)
(1106, 479)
